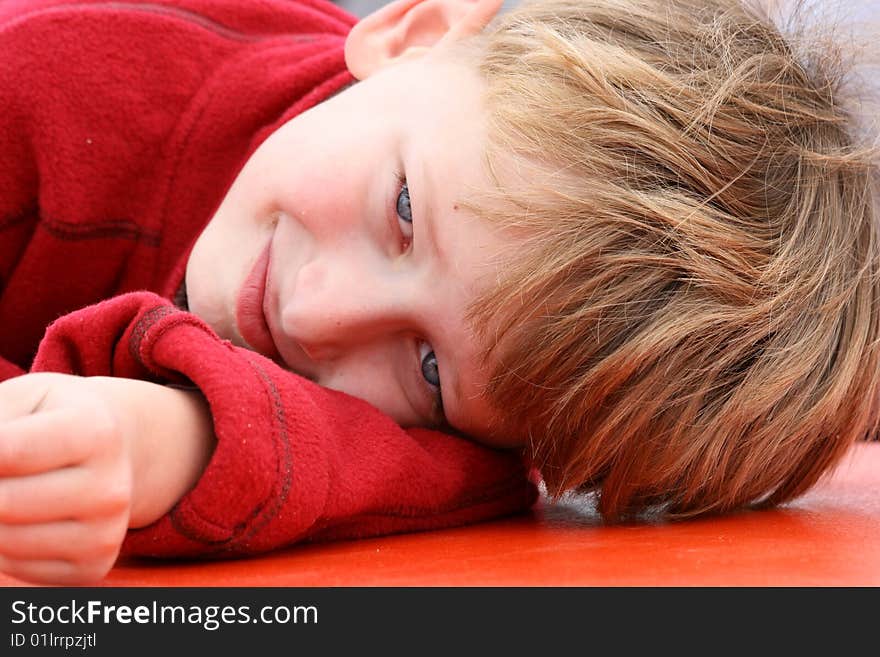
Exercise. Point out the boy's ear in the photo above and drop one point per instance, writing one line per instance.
(406, 28)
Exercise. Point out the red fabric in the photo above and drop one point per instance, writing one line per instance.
(123, 126)
(293, 460)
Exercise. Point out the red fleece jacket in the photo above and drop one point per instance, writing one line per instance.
(123, 125)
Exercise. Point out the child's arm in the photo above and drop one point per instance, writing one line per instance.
(292, 461)
(82, 460)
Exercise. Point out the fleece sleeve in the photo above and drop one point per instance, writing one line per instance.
(293, 461)
(9, 369)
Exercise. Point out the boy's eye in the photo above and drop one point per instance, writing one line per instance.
(431, 374)
(404, 212)
(430, 371)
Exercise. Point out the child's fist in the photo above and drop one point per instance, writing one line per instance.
(65, 479)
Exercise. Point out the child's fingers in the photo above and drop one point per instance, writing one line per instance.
(44, 441)
(61, 494)
(79, 543)
(55, 571)
(65, 540)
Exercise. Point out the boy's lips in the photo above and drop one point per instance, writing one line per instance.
(250, 314)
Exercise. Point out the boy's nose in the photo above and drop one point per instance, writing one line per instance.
(335, 306)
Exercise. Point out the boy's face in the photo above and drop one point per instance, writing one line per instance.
(322, 259)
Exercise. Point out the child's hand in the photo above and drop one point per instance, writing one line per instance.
(82, 460)
(65, 479)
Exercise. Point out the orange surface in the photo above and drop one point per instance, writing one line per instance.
(829, 537)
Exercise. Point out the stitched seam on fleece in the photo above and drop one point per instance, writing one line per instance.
(182, 148)
(269, 508)
(110, 229)
(145, 323)
(182, 15)
(140, 330)
(12, 220)
(273, 501)
(238, 539)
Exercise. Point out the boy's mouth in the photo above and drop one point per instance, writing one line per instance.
(250, 312)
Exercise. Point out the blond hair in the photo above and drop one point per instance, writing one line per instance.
(692, 321)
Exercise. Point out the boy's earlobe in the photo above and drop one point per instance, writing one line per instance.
(408, 28)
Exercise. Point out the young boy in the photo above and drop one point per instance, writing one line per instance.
(636, 240)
